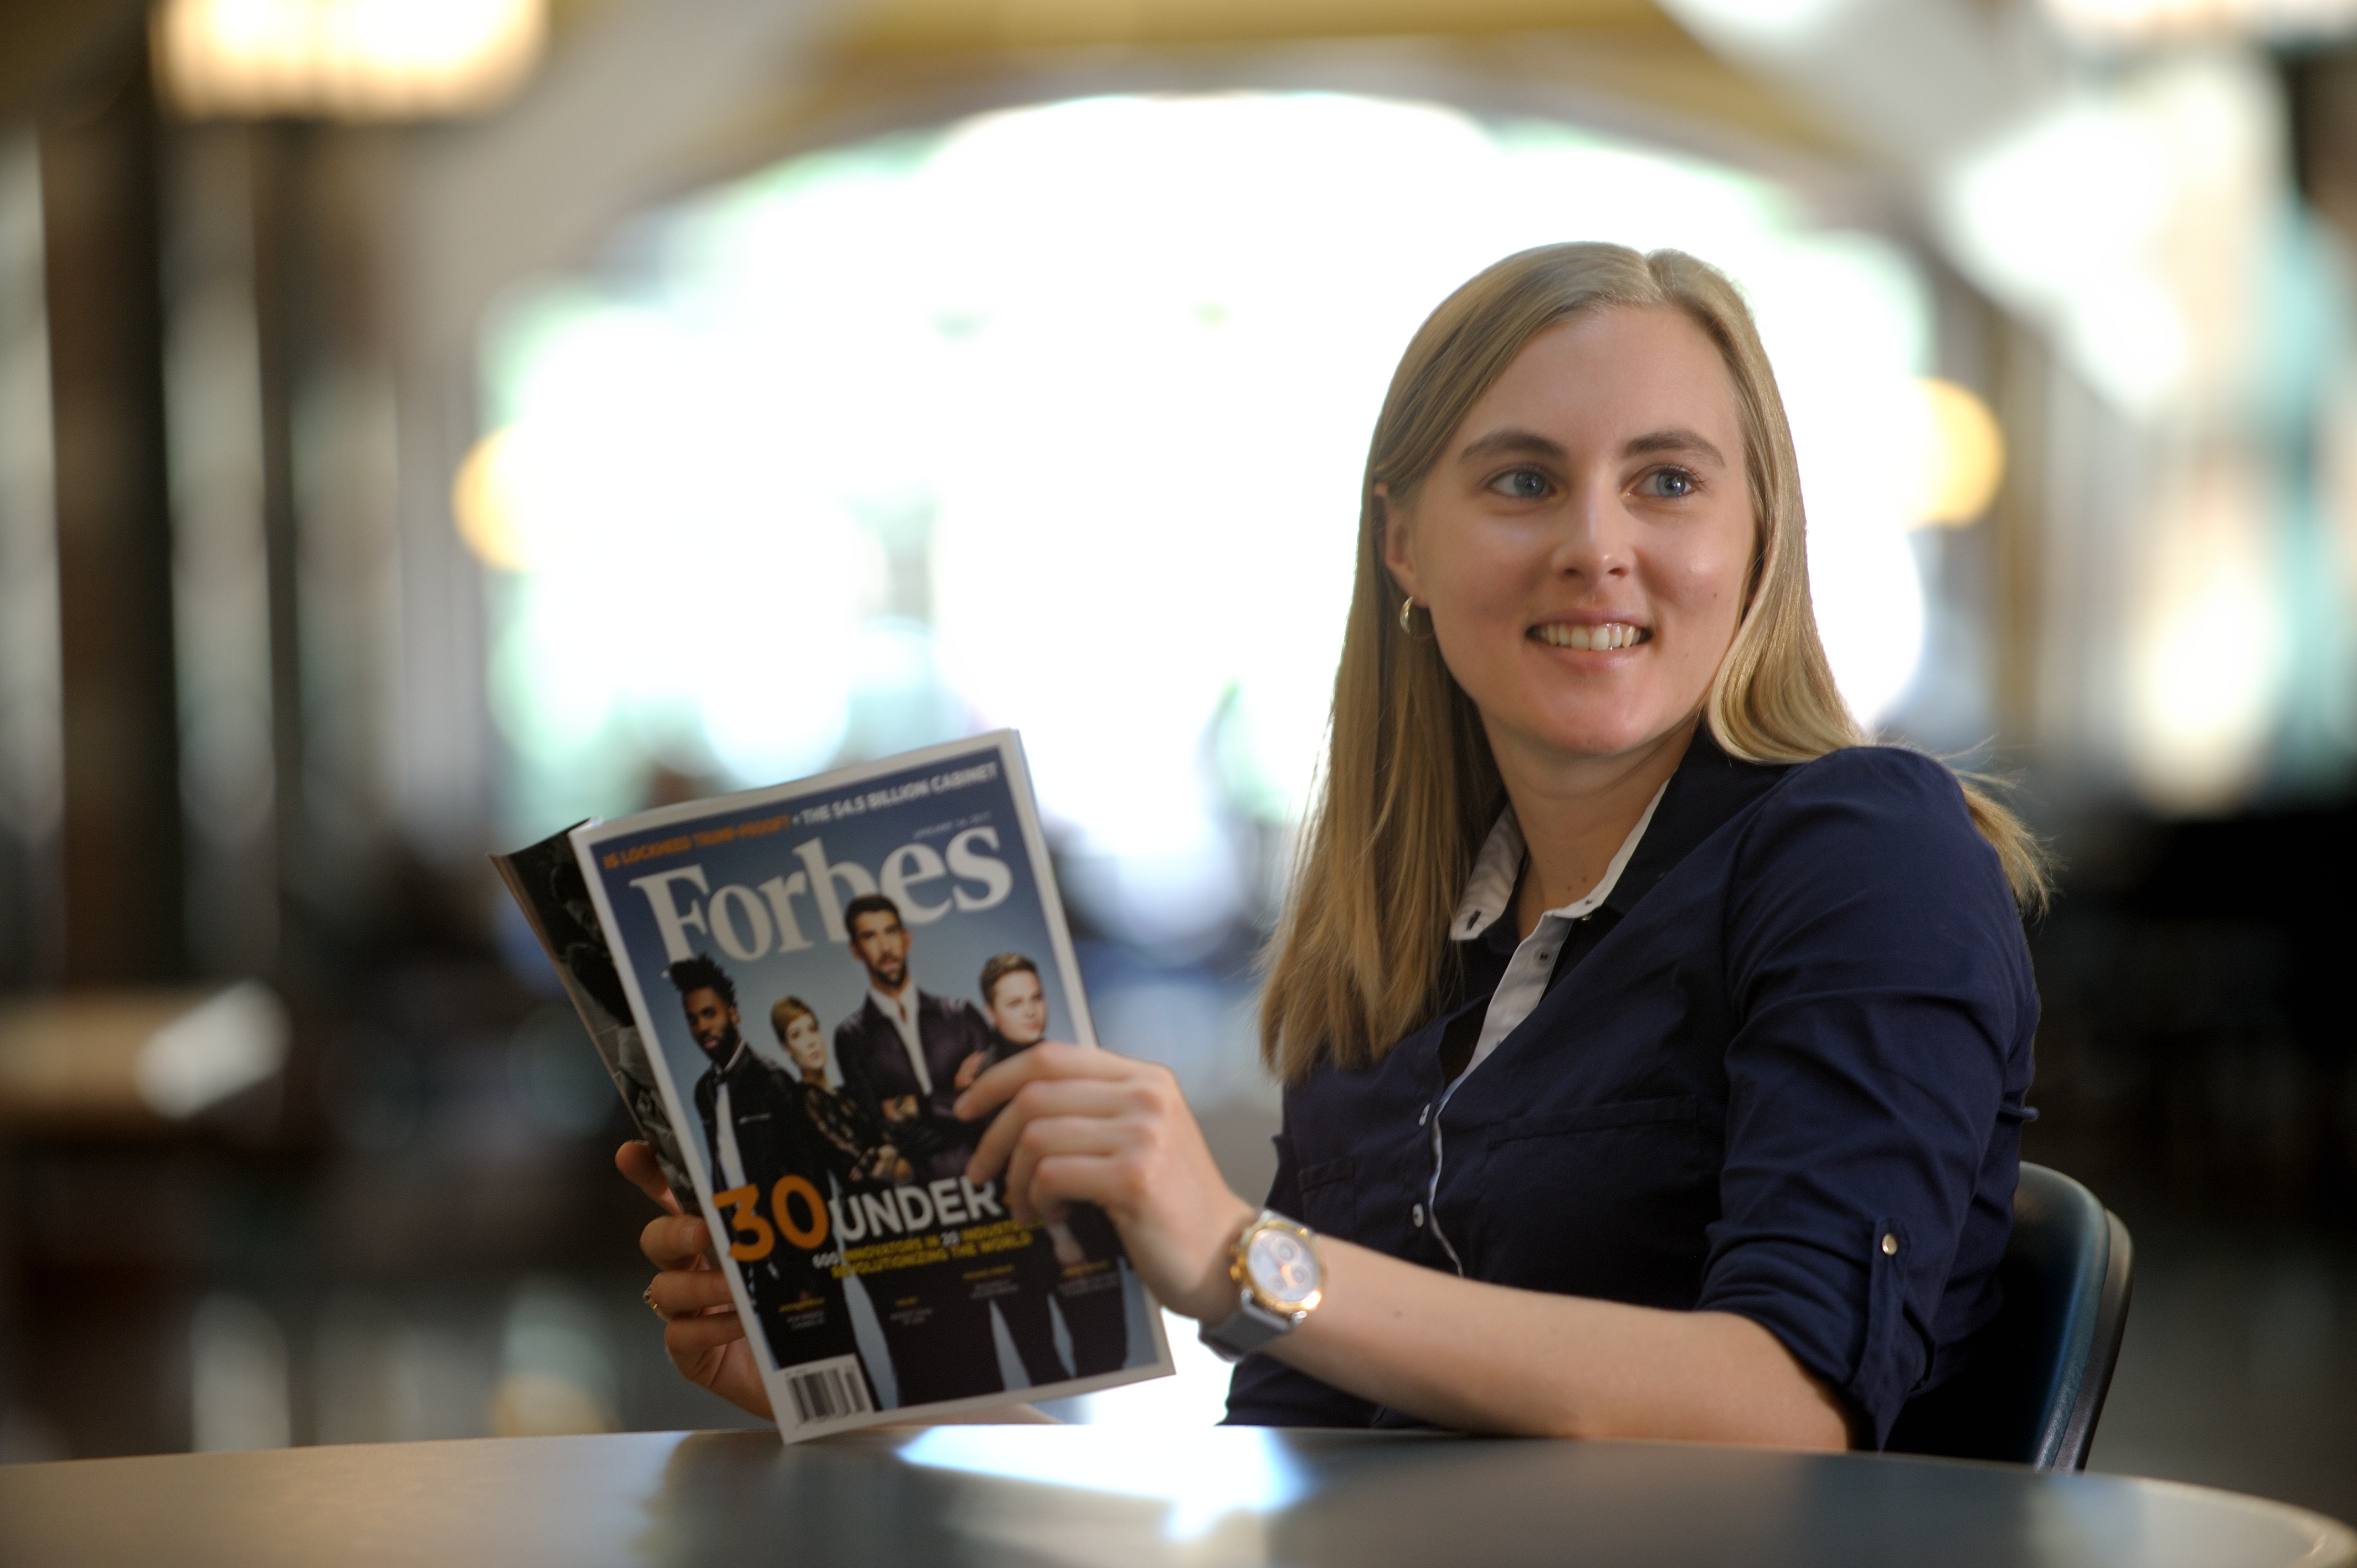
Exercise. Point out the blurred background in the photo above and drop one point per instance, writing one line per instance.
(427, 423)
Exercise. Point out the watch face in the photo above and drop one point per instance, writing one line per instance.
(1283, 1270)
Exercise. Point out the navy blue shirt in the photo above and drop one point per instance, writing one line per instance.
(1779, 1072)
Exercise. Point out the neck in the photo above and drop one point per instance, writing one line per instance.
(889, 988)
(1574, 815)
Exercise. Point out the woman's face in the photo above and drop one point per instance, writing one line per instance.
(1583, 542)
(807, 1046)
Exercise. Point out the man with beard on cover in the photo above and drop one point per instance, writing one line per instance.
(901, 1052)
(1080, 1267)
(900, 1055)
(755, 1135)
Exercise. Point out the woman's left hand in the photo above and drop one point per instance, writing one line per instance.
(704, 1336)
(1076, 1124)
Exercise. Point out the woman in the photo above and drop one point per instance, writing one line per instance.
(848, 1138)
(1653, 1050)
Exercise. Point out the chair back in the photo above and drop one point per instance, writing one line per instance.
(2034, 1388)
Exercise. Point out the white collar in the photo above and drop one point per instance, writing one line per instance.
(1490, 891)
(895, 1006)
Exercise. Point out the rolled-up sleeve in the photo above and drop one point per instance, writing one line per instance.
(1884, 1006)
(1264, 1390)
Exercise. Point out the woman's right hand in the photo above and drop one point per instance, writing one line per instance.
(1071, 1123)
(702, 1331)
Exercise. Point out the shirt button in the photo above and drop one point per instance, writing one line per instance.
(1416, 1215)
(1544, 956)
(1889, 1245)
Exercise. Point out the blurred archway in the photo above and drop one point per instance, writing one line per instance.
(1053, 417)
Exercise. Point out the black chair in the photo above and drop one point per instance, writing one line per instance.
(2035, 1387)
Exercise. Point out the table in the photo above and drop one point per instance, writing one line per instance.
(1084, 1495)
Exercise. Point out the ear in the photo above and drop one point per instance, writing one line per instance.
(1398, 540)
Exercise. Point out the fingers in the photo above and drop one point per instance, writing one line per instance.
(682, 1294)
(636, 1161)
(691, 1339)
(1045, 1097)
(702, 1332)
(676, 1241)
(1083, 1150)
(1049, 1058)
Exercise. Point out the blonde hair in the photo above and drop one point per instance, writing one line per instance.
(1410, 789)
(786, 1009)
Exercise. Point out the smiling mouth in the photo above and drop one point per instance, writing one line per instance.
(1602, 638)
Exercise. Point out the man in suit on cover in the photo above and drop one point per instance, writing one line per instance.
(900, 1056)
(1074, 1259)
(754, 1133)
(901, 1052)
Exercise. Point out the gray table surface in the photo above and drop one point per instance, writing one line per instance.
(1084, 1496)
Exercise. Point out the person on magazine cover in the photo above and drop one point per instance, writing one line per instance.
(857, 1149)
(901, 1052)
(754, 1133)
(1654, 1045)
(900, 1055)
(1078, 1267)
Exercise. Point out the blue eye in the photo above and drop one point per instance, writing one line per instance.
(1668, 483)
(1521, 484)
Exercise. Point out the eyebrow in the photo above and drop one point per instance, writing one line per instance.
(1674, 439)
(1498, 443)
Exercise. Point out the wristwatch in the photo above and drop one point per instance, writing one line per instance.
(1279, 1280)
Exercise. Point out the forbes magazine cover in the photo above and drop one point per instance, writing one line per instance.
(822, 967)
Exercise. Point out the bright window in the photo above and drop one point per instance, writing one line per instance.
(1056, 418)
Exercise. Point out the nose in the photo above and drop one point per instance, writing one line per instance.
(1593, 536)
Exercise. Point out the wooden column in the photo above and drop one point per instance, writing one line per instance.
(121, 840)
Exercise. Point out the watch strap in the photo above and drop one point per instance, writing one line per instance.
(1249, 1329)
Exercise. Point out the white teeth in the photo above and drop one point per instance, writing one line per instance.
(1603, 639)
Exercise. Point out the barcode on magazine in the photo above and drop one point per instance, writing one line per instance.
(827, 1391)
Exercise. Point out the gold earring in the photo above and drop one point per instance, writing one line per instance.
(1407, 621)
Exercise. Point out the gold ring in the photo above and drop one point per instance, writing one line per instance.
(647, 1296)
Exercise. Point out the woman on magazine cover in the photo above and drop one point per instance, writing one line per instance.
(1653, 1045)
(853, 1143)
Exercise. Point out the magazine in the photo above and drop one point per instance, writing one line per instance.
(810, 975)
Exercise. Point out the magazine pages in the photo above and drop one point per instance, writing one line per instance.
(818, 970)
(548, 885)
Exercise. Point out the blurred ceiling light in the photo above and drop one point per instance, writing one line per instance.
(1960, 454)
(489, 511)
(346, 59)
(2128, 22)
